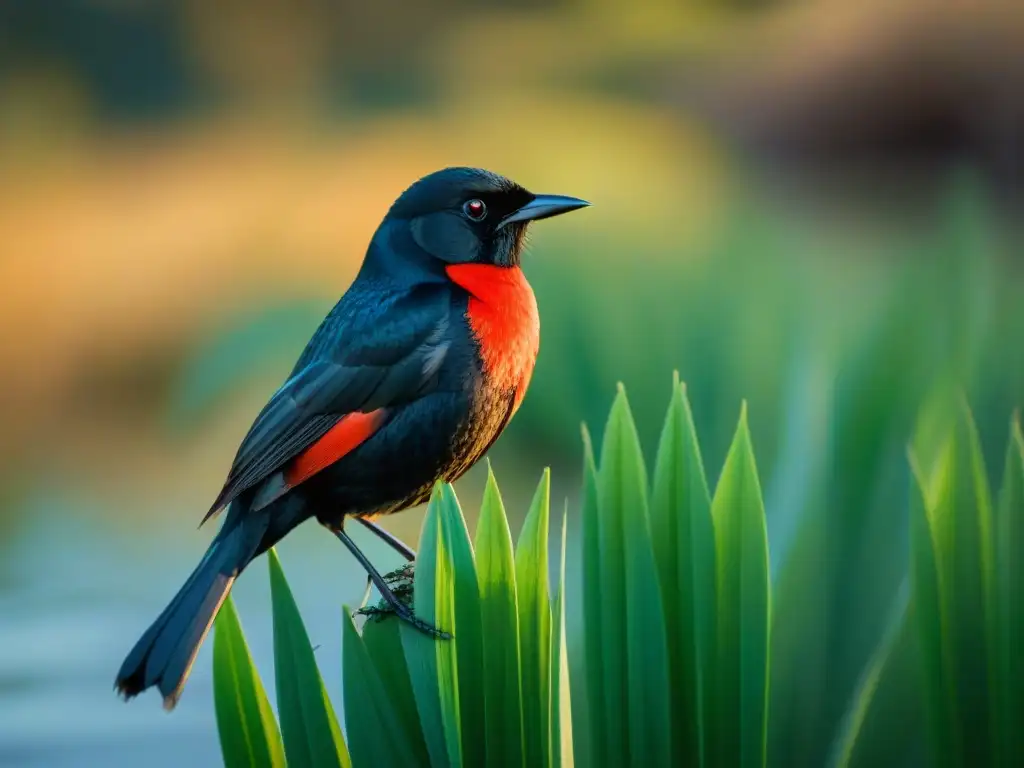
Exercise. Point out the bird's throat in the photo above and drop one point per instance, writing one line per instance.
(502, 313)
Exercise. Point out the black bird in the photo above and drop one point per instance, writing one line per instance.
(410, 378)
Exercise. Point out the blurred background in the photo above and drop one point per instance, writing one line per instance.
(812, 205)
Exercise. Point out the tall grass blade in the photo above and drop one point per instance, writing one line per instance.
(499, 615)
(432, 664)
(743, 609)
(600, 742)
(1010, 599)
(622, 500)
(930, 618)
(383, 641)
(684, 541)
(376, 734)
(469, 642)
(561, 747)
(245, 721)
(308, 725)
(535, 644)
(962, 519)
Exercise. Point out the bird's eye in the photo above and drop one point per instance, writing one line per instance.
(475, 209)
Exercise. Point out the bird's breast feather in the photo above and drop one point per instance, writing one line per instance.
(502, 314)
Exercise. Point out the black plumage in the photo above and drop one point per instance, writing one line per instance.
(402, 385)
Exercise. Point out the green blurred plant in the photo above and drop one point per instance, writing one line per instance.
(950, 656)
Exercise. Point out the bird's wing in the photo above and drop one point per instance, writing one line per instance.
(330, 406)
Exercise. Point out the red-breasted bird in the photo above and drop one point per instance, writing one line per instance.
(410, 378)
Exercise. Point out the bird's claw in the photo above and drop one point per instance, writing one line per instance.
(379, 613)
(426, 628)
(400, 583)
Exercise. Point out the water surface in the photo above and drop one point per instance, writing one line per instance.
(76, 590)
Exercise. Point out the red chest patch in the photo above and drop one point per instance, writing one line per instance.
(503, 315)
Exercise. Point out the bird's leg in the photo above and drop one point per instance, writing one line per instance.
(390, 539)
(401, 610)
(367, 591)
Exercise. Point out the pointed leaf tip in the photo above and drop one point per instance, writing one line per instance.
(308, 724)
(588, 442)
(499, 620)
(682, 534)
(743, 606)
(543, 490)
(491, 489)
(534, 605)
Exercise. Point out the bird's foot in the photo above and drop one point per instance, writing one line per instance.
(401, 580)
(400, 586)
(382, 611)
(425, 627)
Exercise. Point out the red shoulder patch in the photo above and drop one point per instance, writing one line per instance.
(344, 437)
(503, 315)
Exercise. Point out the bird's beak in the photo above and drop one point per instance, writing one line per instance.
(543, 207)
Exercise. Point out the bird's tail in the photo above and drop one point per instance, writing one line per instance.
(163, 656)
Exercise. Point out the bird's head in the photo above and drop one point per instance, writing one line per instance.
(469, 215)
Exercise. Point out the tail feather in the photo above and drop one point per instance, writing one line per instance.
(163, 656)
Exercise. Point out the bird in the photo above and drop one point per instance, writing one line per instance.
(407, 382)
